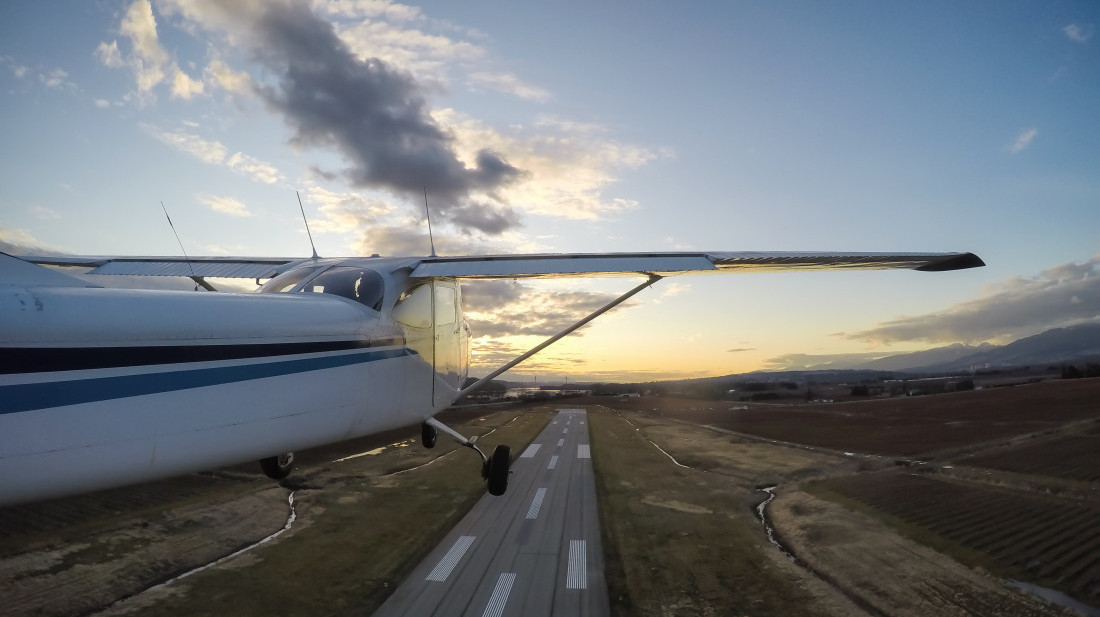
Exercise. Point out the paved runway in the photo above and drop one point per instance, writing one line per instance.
(533, 551)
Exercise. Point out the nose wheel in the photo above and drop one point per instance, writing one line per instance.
(278, 467)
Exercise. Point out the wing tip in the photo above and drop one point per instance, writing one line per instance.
(960, 261)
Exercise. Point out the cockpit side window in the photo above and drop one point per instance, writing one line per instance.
(415, 307)
(360, 284)
(286, 281)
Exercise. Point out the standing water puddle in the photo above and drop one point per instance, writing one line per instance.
(770, 490)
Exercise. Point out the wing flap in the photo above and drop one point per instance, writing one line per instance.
(561, 265)
(214, 267)
(665, 264)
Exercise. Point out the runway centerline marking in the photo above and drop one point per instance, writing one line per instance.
(576, 576)
(495, 607)
(584, 451)
(443, 569)
(536, 504)
(561, 441)
(531, 450)
(553, 462)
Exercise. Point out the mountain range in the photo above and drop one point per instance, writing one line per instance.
(1080, 343)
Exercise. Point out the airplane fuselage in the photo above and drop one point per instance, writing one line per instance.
(104, 387)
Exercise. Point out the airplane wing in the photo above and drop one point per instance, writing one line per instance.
(666, 264)
(213, 267)
(549, 265)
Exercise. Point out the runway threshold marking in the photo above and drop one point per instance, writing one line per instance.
(536, 504)
(584, 451)
(495, 607)
(553, 462)
(576, 576)
(443, 569)
(531, 450)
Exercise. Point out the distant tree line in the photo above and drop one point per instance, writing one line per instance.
(1071, 371)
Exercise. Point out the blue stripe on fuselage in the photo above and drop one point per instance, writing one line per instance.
(28, 397)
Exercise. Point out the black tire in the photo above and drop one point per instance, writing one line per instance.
(278, 467)
(497, 475)
(428, 435)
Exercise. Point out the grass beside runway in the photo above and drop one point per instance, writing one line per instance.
(358, 535)
(680, 541)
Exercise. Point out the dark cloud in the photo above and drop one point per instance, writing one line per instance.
(1060, 296)
(489, 296)
(374, 114)
(483, 217)
(412, 239)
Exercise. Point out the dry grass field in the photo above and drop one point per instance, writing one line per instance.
(1010, 489)
(361, 525)
(903, 426)
(1009, 486)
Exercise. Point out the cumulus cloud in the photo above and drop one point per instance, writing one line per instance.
(1022, 141)
(1079, 33)
(1019, 306)
(147, 59)
(354, 77)
(215, 153)
(254, 168)
(225, 205)
(410, 237)
(14, 241)
(56, 78)
(504, 308)
(212, 152)
(568, 167)
(372, 113)
(346, 212)
(184, 87)
(487, 354)
(219, 73)
(371, 9)
(509, 84)
(820, 362)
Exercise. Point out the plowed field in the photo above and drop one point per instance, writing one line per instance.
(1073, 457)
(896, 426)
(1042, 538)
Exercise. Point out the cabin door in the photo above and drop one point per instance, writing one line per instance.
(448, 342)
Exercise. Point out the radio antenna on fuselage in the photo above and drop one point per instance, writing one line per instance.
(429, 215)
(303, 210)
(179, 242)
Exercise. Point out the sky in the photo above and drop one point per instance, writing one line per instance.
(586, 127)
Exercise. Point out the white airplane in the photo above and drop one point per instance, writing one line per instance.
(103, 387)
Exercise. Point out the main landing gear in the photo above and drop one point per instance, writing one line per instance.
(278, 467)
(494, 468)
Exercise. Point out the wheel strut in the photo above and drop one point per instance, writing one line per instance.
(494, 469)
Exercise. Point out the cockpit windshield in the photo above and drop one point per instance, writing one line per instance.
(360, 284)
(287, 280)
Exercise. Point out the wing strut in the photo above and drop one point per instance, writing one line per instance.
(653, 278)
